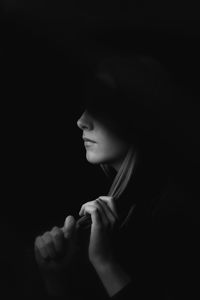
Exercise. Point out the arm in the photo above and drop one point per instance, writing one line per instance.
(113, 277)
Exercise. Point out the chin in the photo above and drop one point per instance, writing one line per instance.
(94, 159)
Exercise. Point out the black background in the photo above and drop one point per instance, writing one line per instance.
(44, 48)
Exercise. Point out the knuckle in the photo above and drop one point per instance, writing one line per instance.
(85, 204)
(47, 238)
(45, 235)
(41, 249)
(55, 229)
(56, 232)
(37, 241)
(95, 209)
(90, 203)
(96, 203)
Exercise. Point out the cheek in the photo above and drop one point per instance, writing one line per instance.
(112, 148)
(106, 152)
(101, 152)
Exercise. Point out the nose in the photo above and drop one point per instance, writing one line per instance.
(84, 122)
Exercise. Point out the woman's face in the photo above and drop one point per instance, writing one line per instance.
(101, 142)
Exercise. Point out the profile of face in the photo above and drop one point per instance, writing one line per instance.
(102, 143)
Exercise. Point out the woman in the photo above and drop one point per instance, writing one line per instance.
(131, 243)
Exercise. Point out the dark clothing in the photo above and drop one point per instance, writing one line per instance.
(158, 247)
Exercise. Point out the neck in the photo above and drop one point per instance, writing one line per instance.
(116, 166)
(118, 163)
(123, 175)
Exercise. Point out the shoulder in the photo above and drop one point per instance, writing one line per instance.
(163, 237)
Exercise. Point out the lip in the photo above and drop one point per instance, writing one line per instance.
(88, 140)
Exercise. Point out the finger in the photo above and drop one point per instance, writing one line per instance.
(102, 212)
(81, 212)
(49, 245)
(109, 200)
(40, 249)
(97, 205)
(95, 214)
(96, 220)
(94, 204)
(84, 221)
(107, 211)
(69, 227)
(58, 239)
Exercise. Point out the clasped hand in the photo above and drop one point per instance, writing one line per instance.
(104, 219)
(56, 248)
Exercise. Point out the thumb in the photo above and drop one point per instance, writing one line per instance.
(69, 227)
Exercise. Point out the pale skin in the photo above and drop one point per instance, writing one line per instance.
(56, 249)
